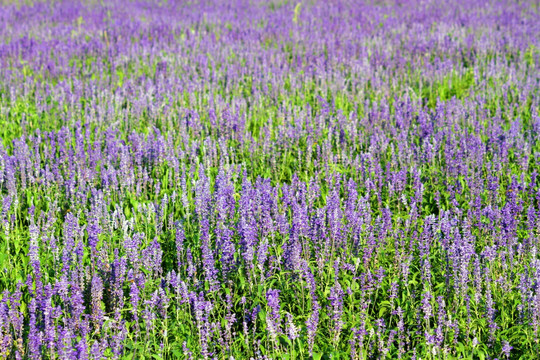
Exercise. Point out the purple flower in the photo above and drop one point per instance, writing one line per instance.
(35, 336)
(312, 324)
(336, 310)
(179, 238)
(292, 330)
(273, 318)
(96, 351)
(426, 305)
(97, 296)
(506, 348)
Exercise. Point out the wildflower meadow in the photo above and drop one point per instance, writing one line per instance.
(277, 179)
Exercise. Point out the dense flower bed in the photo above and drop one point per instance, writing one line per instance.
(270, 179)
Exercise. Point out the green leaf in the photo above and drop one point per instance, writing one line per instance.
(262, 316)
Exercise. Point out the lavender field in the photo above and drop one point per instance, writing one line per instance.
(282, 179)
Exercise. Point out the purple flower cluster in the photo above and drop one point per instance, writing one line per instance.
(273, 318)
(265, 179)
